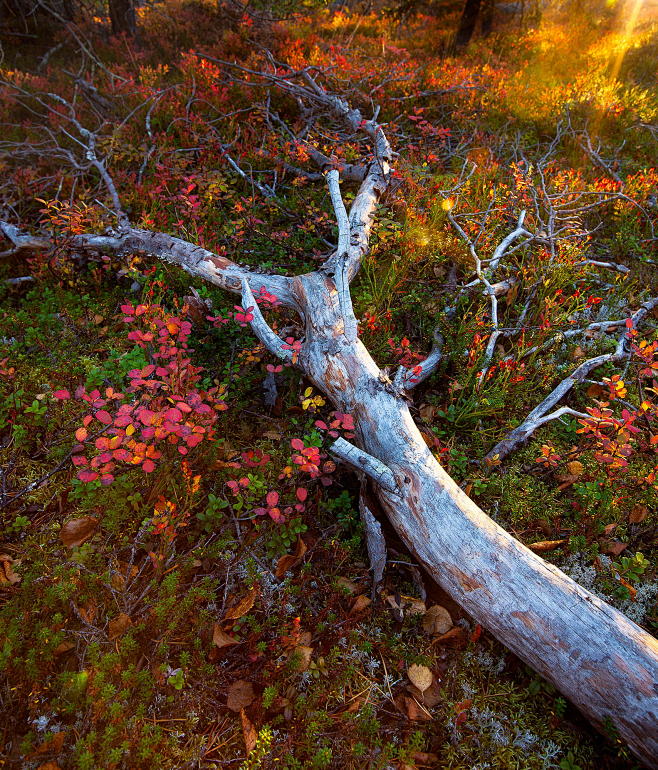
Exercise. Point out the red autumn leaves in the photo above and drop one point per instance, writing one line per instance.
(162, 406)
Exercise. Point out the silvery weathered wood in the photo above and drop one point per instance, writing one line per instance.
(604, 663)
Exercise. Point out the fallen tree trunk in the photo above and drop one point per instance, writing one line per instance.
(604, 663)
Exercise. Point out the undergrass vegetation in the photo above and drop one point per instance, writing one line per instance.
(184, 579)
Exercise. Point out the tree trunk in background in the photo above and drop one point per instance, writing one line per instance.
(467, 23)
(122, 16)
(487, 16)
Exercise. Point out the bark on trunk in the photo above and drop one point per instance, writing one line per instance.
(122, 17)
(603, 662)
(467, 23)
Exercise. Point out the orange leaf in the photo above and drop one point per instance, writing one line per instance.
(221, 639)
(119, 626)
(243, 606)
(248, 732)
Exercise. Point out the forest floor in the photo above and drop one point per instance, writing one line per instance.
(184, 580)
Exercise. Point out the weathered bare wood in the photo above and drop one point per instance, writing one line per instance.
(195, 260)
(366, 463)
(603, 662)
(375, 542)
(537, 416)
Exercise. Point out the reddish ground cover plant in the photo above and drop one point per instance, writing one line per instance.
(161, 408)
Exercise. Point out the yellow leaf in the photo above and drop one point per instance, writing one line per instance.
(546, 545)
(420, 676)
(575, 468)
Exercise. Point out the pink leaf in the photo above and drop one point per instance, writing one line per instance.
(272, 499)
(297, 444)
(302, 494)
(104, 417)
(62, 395)
(148, 466)
(87, 475)
(173, 414)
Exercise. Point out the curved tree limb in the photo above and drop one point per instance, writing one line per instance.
(537, 416)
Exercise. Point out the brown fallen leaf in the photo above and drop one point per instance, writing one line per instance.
(437, 620)
(430, 697)
(596, 391)
(8, 576)
(288, 561)
(240, 695)
(546, 545)
(77, 531)
(356, 703)
(567, 480)
(428, 438)
(62, 648)
(51, 746)
(119, 626)
(348, 585)
(510, 297)
(614, 547)
(457, 636)
(303, 653)
(427, 411)
(88, 613)
(420, 676)
(49, 766)
(413, 710)
(638, 514)
(243, 606)
(248, 733)
(118, 581)
(609, 528)
(360, 604)
(577, 353)
(221, 639)
(575, 468)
